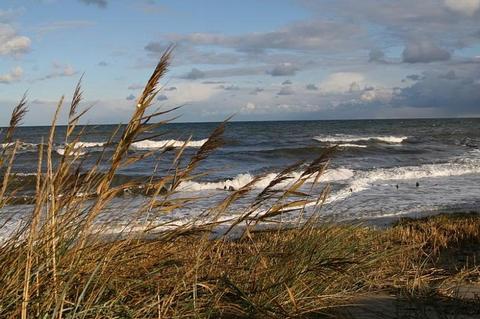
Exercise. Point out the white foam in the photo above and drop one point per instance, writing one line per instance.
(78, 148)
(475, 152)
(88, 144)
(22, 146)
(61, 151)
(153, 145)
(338, 138)
(24, 174)
(362, 180)
(243, 179)
(352, 145)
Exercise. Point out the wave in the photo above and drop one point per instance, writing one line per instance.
(81, 148)
(355, 181)
(88, 144)
(78, 148)
(362, 180)
(338, 138)
(23, 147)
(475, 152)
(241, 180)
(352, 145)
(153, 145)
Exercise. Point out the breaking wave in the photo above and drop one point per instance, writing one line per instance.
(241, 180)
(79, 148)
(345, 145)
(362, 180)
(354, 181)
(338, 138)
(22, 147)
(153, 145)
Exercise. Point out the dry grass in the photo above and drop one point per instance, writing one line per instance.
(60, 263)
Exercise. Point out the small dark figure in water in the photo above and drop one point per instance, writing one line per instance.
(351, 190)
(417, 184)
(231, 188)
(225, 187)
(396, 186)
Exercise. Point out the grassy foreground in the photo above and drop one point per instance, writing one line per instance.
(58, 263)
(308, 272)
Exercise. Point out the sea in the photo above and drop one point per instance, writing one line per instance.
(379, 169)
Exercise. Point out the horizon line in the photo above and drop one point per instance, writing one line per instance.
(263, 121)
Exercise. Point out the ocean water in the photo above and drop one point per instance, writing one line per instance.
(374, 172)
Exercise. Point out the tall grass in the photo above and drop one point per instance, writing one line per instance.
(63, 262)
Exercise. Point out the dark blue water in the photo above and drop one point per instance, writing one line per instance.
(372, 159)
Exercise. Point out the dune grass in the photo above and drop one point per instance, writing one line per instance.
(60, 263)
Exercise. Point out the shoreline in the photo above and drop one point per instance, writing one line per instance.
(380, 223)
(388, 221)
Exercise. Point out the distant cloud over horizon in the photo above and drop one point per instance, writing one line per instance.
(447, 91)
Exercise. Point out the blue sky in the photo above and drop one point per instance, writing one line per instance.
(259, 60)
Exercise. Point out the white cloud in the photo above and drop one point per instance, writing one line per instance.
(342, 82)
(68, 70)
(14, 75)
(305, 35)
(249, 108)
(59, 70)
(191, 92)
(377, 94)
(10, 42)
(467, 7)
(61, 25)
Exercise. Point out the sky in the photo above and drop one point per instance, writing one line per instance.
(254, 59)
